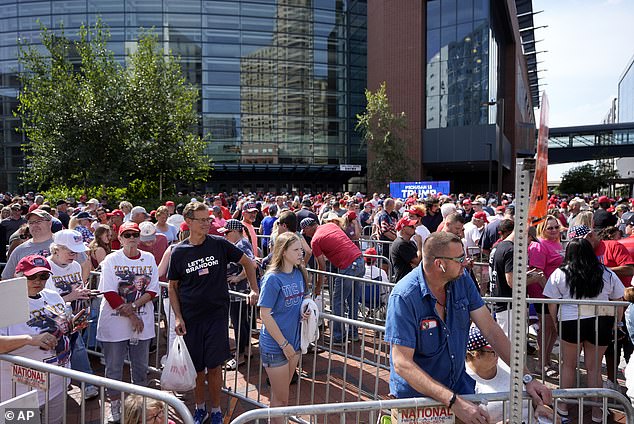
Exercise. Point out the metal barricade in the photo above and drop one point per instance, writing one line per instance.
(169, 400)
(368, 411)
(534, 327)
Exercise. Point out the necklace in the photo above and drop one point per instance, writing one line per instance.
(441, 304)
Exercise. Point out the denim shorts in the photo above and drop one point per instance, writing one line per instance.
(274, 360)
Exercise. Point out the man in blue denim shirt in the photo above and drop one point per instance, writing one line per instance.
(427, 326)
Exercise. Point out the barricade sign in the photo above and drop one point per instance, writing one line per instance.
(424, 415)
(29, 377)
(422, 189)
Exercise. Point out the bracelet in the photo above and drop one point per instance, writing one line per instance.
(452, 400)
(283, 345)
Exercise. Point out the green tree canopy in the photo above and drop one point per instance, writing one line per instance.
(587, 179)
(90, 121)
(380, 128)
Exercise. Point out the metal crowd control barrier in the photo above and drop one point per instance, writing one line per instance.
(612, 309)
(368, 411)
(168, 399)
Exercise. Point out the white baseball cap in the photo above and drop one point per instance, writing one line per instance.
(148, 231)
(71, 240)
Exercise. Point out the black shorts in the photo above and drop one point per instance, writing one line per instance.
(208, 342)
(538, 308)
(587, 331)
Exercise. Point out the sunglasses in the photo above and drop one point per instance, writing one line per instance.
(42, 276)
(460, 259)
(130, 235)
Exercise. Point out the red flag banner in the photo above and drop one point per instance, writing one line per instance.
(538, 207)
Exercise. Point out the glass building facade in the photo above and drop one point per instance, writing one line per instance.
(281, 80)
(626, 94)
(462, 59)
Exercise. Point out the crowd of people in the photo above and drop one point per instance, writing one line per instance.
(259, 245)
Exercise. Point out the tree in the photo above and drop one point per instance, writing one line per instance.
(71, 109)
(380, 127)
(90, 121)
(162, 116)
(587, 178)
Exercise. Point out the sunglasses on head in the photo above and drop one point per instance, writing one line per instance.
(43, 276)
(131, 235)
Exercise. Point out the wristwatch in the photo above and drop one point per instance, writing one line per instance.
(527, 378)
(134, 306)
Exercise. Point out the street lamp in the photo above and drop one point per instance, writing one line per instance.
(500, 138)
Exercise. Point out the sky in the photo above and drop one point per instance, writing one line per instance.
(588, 44)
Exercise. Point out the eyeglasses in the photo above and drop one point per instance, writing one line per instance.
(39, 221)
(131, 235)
(202, 220)
(553, 228)
(42, 276)
(460, 259)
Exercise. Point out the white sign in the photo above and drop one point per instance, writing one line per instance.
(29, 377)
(350, 168)
(428, 415)
(14, 302)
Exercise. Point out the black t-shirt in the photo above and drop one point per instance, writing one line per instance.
(305, 213)
(401, 254)
(490, 235)
(432, 221)
(202, 274)
(603, 219)
(501, 262)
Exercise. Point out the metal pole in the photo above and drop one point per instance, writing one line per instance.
(518, 305)
(500, 104)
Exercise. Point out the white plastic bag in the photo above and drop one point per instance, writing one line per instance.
(179, 374)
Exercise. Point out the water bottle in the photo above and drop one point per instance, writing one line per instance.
(134, 338)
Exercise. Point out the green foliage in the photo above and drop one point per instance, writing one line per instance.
(380, 127)
(91, 122)
(587, 179)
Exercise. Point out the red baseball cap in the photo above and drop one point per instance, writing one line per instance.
(116, 212)
(604, 199)
(481, 215)
(129, 226)
(184, 226)
(417, 212)
(170, 203)
(32, 264)
(406, 222)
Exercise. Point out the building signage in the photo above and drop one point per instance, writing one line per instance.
(29, 377)
(421, 188)
(349, 168)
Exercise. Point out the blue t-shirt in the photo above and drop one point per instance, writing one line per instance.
(440, 347)
(283, 293)
(267, 228)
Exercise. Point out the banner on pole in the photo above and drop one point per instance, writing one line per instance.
(538, 206)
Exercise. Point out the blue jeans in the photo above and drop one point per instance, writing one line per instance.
(345, 297)
(115, 353)
(90, 333)
(79, 357)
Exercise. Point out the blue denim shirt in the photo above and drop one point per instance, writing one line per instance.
(439, 346)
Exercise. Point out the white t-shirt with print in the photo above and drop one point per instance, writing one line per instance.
(46, 316)
(556, 288)
(64, 278)
(130, 279)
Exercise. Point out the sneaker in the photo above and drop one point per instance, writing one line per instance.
(115, 411)
(201, 415)
(91, 392)
(216, 417)
(338, 342)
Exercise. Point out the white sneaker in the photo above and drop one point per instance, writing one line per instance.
(91, 392)
(115, 411)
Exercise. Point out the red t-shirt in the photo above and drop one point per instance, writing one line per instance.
(611, 253)
(629, 245)
(157, 249)
(331, 241)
